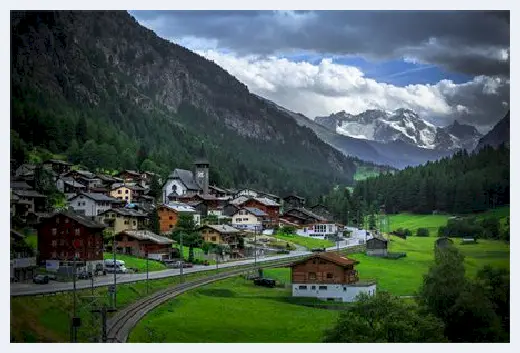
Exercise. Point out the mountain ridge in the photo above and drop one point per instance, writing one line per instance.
(138, 92)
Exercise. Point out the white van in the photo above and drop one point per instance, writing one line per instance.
(118, 266)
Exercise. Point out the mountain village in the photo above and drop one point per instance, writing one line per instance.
(103, 210)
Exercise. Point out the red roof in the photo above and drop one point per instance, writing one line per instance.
(329, 256)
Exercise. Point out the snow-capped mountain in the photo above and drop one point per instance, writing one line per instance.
(401, 125)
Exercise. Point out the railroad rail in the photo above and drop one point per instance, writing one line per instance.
(120, 325)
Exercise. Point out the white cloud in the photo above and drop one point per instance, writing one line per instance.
(325, 88)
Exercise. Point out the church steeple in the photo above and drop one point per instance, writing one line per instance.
(202, 170)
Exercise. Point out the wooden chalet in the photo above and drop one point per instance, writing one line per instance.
(324, 268)
(143, 243)
(293, 201)
(57, 165)
(377, 246)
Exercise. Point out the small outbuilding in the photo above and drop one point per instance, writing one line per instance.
(377, 246)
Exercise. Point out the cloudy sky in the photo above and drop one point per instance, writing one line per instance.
(444, 65)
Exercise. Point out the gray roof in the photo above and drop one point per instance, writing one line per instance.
(239, 200)
(28, 193)
(72, 182)
(186, 177)
(85, 174)
(221, 228)
(256, 212)
(126, 212)
(179, 207)
(20, 185)
(265, 201)
(96, 197)
(56, 161)
(218, 189)
(308, 213)
(147, 235)
(83, 220)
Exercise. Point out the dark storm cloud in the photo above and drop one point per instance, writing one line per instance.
(471, 42)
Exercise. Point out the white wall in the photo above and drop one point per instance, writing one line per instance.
(245, 221)
(346, 293)
(87, 206)
(329, 229)
(168, 188)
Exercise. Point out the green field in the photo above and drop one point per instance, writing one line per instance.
(137, 263)
(307, 242)
(433, 222)
(46, 318)
(234, 310)
(364, 172)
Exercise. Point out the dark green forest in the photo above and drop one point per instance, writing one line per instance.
(463, 183)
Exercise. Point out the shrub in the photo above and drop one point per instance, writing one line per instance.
(402, 232)
(423, 232)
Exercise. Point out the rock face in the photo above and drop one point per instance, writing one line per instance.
(97, 59)
(401, 125)
(498, 135)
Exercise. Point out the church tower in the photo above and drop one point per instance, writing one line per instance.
(202, 171)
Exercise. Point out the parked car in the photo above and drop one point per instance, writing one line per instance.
(265, 282)
(84, 275)
(318, 249)
(52, 277)
(41, 279)
(177, 264)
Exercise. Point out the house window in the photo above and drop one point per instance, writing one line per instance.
(135, 223)
(302, 287)
(53, 243)
(79, 203)
(312, 275)
(313, 287)
(329, 275)
(67, 231)
(213, 238)
(171, 226)
(126, 191)
(57, 220)
(126, 221)
(345, 289)
(77, 231)
(54, 254)
(171, 218)
(54, 231)
(119, 192)
(322, 287)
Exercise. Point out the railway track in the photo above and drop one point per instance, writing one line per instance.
(120, 325)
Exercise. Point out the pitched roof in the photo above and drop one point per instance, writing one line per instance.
(129, 171)
(307, 213)
(178, 207)
(96, 197)
(223, 228)
(84, 173)
(186, 177)
(125, 212)
(56, 161)
(265, 201)
(378, 237)
(105, 177)
(147, 235)
(329, 256)
(20, 185)
(28, 193)
(255, 211)
(83, 220)
(72, 182)
(239, 200)
(296, 196)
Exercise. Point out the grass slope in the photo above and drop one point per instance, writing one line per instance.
(433, 222)
(233, 310)
(307, 242)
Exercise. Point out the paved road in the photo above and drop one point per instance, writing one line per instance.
(20, 289)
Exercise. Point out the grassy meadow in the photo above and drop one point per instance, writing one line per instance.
(137, 263)
(307, 242)
(234, 310)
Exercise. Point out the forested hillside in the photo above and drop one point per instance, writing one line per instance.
(108, 93)
(464, 183)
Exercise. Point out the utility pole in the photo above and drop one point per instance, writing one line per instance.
(182, 260)
(147, 272)
(115, 270)
(103, 311)
(74, 323)
(217, 253)
(255, 247)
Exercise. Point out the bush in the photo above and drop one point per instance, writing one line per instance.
(402, 232)
(395, 255)
(423, 232)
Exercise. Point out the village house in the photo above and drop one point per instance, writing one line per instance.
(57, 165)
(169, 215)
(58, 234)
(119, 219)
(185, 182)
(377, 246)
(91, 205)
(272, 197)
(247, 192)
(143, 243)
(293, 201)
(126, 192)
(34, 200)
(303, 216)
(321, 211)
(328, 276)
(129, 176)
(146, 179)
(271, 208)
(25, 171)
(223, 235)
(217, 192)
(249, 218)
(23, 257)
(69, 185)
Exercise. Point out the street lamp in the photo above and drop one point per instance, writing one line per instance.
(182, 258)
(114, 269)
